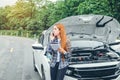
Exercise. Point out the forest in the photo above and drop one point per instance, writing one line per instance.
(38, 15)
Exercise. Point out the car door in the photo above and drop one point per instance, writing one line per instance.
(38, 55)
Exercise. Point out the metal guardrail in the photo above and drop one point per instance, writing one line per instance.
(28, 34)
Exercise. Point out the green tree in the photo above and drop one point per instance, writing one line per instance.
(21, 13)
(62, 9)
(115, 8)
(94, 7)
(40, 14)
(3, 19)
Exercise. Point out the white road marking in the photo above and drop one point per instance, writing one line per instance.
(11, 50)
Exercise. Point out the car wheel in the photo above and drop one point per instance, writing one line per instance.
(43, 74)
(35, 69)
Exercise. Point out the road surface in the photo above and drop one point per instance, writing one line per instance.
(16, 62)
(16, 59)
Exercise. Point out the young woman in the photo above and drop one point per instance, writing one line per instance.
(60, 56)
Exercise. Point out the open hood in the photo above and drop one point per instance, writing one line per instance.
(93, 27)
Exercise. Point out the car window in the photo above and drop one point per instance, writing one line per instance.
(46, 40)
(41, 39)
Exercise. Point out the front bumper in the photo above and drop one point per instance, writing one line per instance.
(93, 78)
(94, 73)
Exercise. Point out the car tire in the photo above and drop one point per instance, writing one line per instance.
(43, 74)
(35, 69)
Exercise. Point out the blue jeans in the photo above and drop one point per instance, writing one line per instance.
(57, 74)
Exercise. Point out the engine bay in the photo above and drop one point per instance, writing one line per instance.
(87, 55)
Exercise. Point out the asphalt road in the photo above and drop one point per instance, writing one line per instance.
(16, 61)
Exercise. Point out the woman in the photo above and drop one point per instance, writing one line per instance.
(60, 56)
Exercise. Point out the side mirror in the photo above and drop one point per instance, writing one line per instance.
(37, 46)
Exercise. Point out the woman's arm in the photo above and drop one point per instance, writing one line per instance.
(48, 52)
(67, 52)
(49, 48)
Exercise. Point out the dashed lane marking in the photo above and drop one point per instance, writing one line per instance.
(11, 50)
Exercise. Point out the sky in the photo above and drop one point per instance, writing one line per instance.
(3, 3)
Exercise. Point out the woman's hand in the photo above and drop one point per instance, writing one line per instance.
(61, 50)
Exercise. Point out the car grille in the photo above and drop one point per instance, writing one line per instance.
(93, 72)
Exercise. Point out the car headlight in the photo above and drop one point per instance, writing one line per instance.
(69, 72)
(73, 73)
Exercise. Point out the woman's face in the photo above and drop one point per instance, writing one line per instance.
(56, 31)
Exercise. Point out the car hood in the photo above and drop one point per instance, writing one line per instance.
(93, 27)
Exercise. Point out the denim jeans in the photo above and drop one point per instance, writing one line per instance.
(57, 74)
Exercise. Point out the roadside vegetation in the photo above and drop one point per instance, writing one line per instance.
(31, 17)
